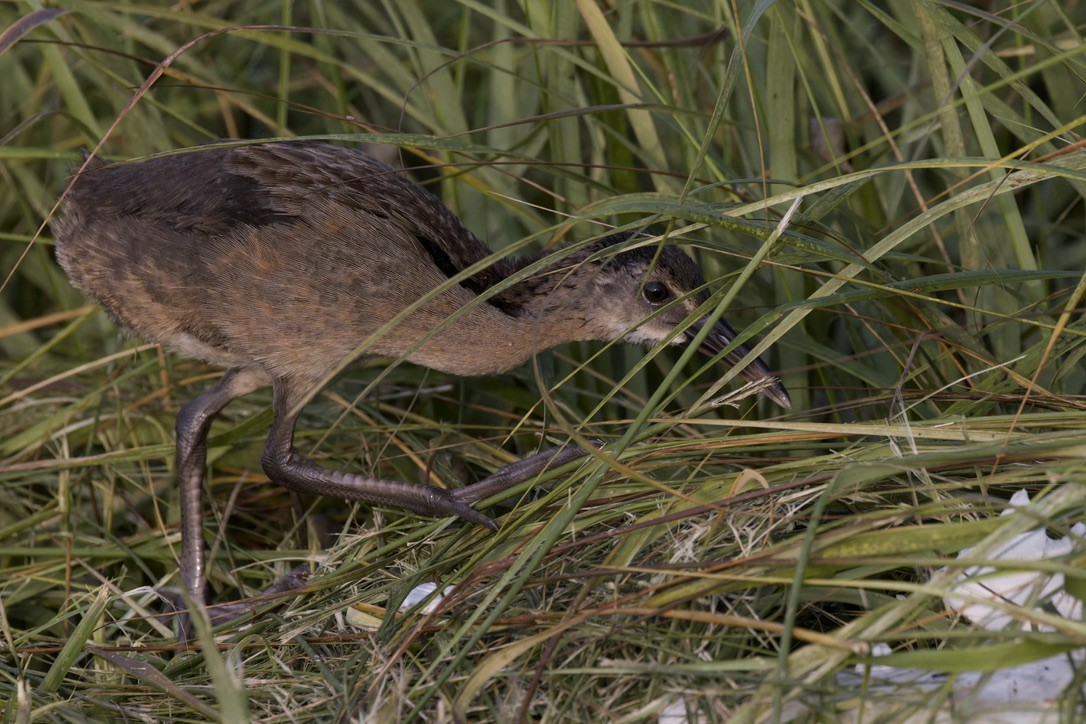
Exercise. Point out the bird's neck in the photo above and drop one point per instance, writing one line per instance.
(550, 304)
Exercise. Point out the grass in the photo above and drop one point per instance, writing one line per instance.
(888, 197)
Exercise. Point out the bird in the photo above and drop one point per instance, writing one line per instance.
(283, 262)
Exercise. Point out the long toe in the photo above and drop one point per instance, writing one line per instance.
(515, 473)
(223, 612)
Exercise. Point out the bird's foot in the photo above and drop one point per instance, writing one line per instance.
(221, 613)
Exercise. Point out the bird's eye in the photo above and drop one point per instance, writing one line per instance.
(655, 292)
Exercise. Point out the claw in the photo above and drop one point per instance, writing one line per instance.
(441, 502)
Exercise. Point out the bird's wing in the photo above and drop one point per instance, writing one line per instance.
(295, 174)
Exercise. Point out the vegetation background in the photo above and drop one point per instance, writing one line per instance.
(889, 194)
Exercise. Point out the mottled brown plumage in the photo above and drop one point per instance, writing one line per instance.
(284, 261)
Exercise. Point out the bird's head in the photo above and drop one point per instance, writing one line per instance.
(603, 291)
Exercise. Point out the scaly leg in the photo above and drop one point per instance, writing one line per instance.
(193, 424)
(287, 466)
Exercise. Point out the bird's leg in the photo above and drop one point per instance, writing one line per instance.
(516, 473)
(287, 466)
(193, 424)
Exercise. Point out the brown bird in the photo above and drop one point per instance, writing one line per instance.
(284, 261)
